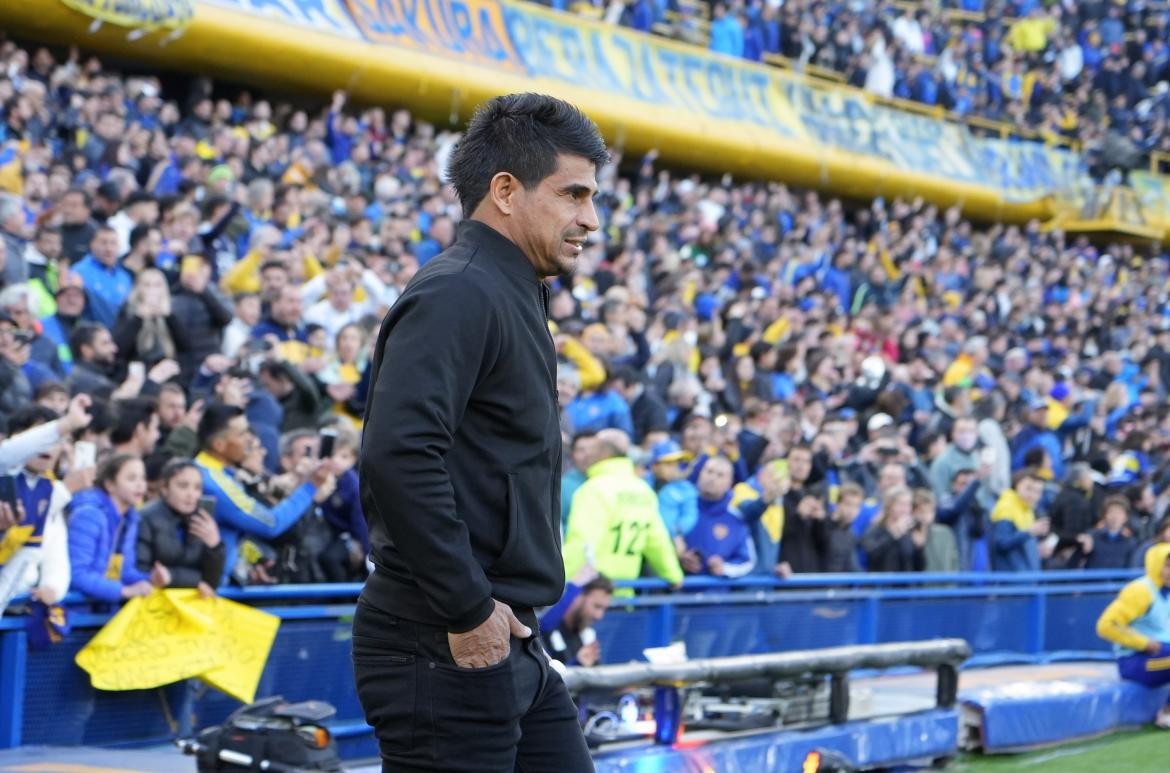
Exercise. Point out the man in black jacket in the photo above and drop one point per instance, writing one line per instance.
(460, 468)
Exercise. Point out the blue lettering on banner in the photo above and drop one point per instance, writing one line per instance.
(304, 13)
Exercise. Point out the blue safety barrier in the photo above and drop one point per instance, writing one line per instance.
(1034, 616)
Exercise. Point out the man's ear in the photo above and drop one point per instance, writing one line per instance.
(502, 192)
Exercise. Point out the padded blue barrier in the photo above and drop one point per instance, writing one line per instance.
(927, 735)
(1022, 616)
(1039, 712)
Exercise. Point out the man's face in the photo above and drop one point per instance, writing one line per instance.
(171, 407)
(592, 608)
(105, 247)
(1166, 574)
(71, 302)
(287, 308)
(147, 434)
(272, 282)
(73, 209)
(49, 244)
(104, 348)
(582, 452)
(715, 479)
(232, 443)
(21, 315)
(799, 465)
(553, 219)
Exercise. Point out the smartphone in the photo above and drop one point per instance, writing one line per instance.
(84, 455)
(328, 438)
(207, 505)
(137, 371)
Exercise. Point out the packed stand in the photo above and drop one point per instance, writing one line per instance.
(1093, 73)
(753, 380)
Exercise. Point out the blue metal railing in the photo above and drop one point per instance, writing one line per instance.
(1022, 616)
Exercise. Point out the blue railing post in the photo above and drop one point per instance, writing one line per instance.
(13, 672)
(1037, 621)
(867, 620)
(660, 630)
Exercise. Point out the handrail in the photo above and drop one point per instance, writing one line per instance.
(875, 580)
(781, 664)
(267, 593)
(669, 679)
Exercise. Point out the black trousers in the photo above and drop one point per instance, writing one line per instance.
(429, 714)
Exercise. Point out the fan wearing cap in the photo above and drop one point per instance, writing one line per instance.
(1037, 434)
(71, 307)
(678, 498)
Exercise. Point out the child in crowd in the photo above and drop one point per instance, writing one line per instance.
(344, 559)
(940, 550)
(842, 541)
(1112, 544)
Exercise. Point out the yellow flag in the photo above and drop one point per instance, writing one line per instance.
(172, 635)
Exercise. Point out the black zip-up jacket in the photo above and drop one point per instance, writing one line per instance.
(163, 537)
(461, 452)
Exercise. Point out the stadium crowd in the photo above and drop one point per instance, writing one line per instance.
(753, 379)
(1096, 73)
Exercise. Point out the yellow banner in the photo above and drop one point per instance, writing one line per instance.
(172, 635)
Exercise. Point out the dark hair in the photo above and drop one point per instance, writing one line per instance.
(275, 369)
(273, 263)
(48, 388)
(83, 335)
(140, 232)
(108, 470)
(521, 134)
(1028, 473)
(84, 194)
(172, 386)
(172, 468)
(1115, 501)
(215, 420)
(582, 436)
(129, 414)
(139, 197)
(30, 416)
(600, 582)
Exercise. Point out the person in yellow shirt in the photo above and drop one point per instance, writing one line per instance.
(1138, 625)
(614, 519)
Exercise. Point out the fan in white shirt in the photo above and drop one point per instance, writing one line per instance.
(338, 308)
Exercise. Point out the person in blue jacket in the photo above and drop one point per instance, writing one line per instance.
(720, 544)
(103, 533)
(223, 432)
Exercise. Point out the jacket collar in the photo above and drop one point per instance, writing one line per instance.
(209, 462)
(617, 465)
(504, 251)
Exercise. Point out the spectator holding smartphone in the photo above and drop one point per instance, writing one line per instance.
(344, 560)
(179, 535)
